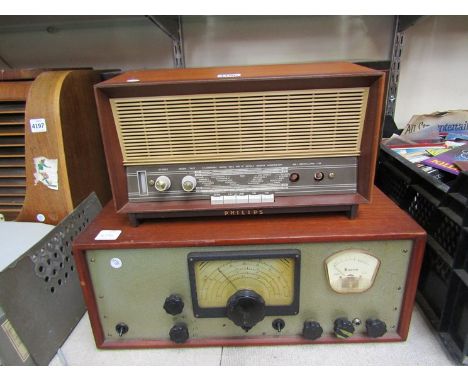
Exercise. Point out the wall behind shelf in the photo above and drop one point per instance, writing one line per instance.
(102, 43)
(433, 65)
(241, 40)
(434, 68)
(135, 43)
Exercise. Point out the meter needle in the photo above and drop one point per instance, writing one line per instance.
(219, 270)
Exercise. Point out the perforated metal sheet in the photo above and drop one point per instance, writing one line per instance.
(41, 293)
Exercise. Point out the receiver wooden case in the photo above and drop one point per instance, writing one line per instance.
(241, 140)
(273, 280)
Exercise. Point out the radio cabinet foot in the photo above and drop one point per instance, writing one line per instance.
(353, 211)
(134, 221)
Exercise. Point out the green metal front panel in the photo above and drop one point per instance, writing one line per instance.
(133, 290)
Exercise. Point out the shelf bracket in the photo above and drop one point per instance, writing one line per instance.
(172, 27)
(402, 23)
(394, 72)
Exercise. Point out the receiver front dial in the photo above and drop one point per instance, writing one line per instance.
(245, 286)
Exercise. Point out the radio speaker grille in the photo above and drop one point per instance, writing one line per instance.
(12, 158)
(240, 126)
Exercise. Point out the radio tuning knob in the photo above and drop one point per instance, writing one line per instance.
(319, 175)
(343, 328)
(163, 183)
(375, 328)
(179, 333)
(311, 330)
(189, 183)
(173, 305)
(246, 308)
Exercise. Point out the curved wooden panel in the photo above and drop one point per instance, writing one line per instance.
(71, 137)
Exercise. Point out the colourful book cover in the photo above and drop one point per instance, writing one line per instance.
(445, 161)
(414, 154)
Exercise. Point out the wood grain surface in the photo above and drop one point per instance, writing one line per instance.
(211, 73)
(252, 78)
(376, 221)
(380, 220)
(65, 100)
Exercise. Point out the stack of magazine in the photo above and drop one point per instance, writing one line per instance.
(437, 143)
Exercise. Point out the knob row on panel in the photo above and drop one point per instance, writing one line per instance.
(163, 183)
(312, 330)
(343, 328)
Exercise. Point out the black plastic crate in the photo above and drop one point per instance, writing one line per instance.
(456, 319)
(442, 210)
(434, 283)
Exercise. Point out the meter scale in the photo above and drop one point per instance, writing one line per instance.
(351, 271)
(218, 280)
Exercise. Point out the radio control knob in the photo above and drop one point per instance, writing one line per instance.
(375, 328)
(343, 328)
(179, 333)
(246, 308)
(311, 330)
(173, 305)
(163, 183)
(319, 175)
(189, 183)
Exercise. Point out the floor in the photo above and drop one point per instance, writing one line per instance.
(423, 347)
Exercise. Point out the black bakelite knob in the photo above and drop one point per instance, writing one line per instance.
(121, 328)
(375, 328)
(343, 328)
(311, 330)
(179, 333)
(245, 308)
(173, 304)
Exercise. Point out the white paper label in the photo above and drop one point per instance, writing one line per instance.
(116, 263)
(229, 75)
(38, 125)
(108, 234)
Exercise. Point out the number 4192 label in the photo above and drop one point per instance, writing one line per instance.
(38, 125)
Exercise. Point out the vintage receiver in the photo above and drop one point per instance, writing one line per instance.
(241, 140)
(294, 279)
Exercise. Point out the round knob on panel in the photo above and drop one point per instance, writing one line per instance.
(375, 328)
(319, 175)
(189, 183)
(294, 177)
(163, 183)
(173, 304)
(311, 330)
(179, 333)
(245, 308)
(343, 328)
(121, 328)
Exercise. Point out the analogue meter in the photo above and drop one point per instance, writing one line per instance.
(351, 271)
(223, 282)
